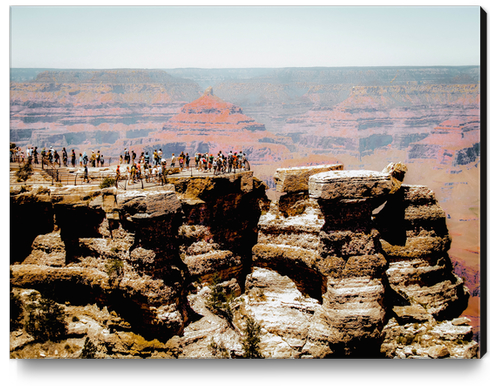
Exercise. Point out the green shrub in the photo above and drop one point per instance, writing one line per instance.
(218, 350)
(89, 349)
(45, 320)
(24, 173)
(114, 267)
(107, 183)
(219, 301)
(251, 339)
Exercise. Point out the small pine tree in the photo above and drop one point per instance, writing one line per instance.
(114, 269)
(251, 340)
(45, 320)
(219, 301)
(89, 349)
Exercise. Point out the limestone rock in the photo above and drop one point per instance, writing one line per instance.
(206, 265)
(294, 180)
(419, 267)
(320, 269)
(47, 249)
(397, 172)
(282, 310)
(139, 205)
(438, 352)
(354, 314)
(349, 184)
(428, 339)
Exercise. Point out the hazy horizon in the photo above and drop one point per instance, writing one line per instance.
(233, 37)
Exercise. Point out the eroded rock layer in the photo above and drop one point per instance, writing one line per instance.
(137, 251)
(367, 248)
(344, 263)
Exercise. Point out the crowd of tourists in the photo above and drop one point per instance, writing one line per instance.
(150, 167)
(52, 156)
(204, 162)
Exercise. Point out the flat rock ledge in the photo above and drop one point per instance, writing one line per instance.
(294, 180)
(349, 184)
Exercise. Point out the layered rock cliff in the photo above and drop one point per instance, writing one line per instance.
(210, 124)
(85, 109)
(345, 263)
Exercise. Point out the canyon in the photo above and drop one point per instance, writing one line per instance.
(362, 118)
(346, 263)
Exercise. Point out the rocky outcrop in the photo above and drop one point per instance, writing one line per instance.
(137, 251)
(104, 109)
(367, 249)
(344, 264)
(420, 271)
(445, 339)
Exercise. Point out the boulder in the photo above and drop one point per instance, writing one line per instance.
(438, 351)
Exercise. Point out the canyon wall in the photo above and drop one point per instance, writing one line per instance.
(346, 263)
(363, 118)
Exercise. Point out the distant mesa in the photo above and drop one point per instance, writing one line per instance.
(212, 114)
(209, 124)
(453, 142)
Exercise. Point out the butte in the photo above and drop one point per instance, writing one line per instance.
(209, 124)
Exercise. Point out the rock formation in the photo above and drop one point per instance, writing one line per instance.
(106, 109)
(209, 124)
(346, 263)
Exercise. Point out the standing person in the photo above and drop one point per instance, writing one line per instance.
(65, 157)
(36, 161)
(97, 158)
(57, 158)
(155, 157)
(134, 156)
(172, 162)
(187, 160)
(181, 161)
(239, 159)
(29, 155)
(230, 162)
(246, 165)
(102, 160)
(80, 159)
(85, 174)
(73, 158)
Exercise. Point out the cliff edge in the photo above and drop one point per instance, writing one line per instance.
(343, 264)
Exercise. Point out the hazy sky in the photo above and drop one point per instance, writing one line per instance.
(220, 37)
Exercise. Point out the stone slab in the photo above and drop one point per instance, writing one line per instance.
(294, 180)
(349, 184)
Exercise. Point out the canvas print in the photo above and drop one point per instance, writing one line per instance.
(245, 182)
